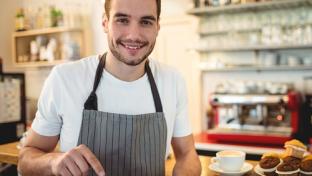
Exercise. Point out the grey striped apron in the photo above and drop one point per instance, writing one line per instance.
(126, 145)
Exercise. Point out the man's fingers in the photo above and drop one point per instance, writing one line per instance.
(80, 161)
(92, 160)
(65, 172)
(94, 163)
(72, 166)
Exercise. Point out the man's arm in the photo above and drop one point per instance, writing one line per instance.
(187, 161)
(37, 157)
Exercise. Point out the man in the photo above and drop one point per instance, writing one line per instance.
(114, 114)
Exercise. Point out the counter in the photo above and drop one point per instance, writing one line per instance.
(9, 154)
(254, 152)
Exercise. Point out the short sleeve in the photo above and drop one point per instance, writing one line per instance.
(181, 123)
(47, 121)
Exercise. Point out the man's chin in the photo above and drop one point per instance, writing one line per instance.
(133, 62)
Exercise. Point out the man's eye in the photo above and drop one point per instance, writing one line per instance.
(122, 20)
(146, 23)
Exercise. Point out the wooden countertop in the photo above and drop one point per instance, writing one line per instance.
(9, 154)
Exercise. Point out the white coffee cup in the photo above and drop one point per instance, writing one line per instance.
(230, 160)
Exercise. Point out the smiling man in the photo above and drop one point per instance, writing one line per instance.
(115, 113)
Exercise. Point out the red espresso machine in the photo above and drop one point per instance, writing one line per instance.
(269, 119)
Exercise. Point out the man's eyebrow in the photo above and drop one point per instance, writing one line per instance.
(121, 15)
(149, 18)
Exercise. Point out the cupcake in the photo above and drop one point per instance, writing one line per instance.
(286, 169)
(306, 166)
(295, 148)
(292, 160)
(269, 163)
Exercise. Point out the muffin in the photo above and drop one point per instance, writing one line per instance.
(295, 148)
(306, 166)
(286, 169)
(268, 163)
(292, 160)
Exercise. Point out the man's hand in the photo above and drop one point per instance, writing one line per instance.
(39, 158)
(77, 161)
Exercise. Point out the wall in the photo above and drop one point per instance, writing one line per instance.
(98, 35)
(7, 14)
(176, 36)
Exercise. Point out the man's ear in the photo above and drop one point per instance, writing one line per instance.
(105, 22)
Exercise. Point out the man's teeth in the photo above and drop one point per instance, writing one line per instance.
(132, 47)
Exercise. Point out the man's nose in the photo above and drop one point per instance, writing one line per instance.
(134, 32)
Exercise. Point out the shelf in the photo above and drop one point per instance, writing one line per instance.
(219, 32)
(21, 45)
(277, 4)
(39, 63)
(253, 29)
(43, 31)
(255, 47)
(257, 68)
(223, 99)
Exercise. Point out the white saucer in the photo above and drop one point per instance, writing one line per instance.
(215, 167)
(258, 170)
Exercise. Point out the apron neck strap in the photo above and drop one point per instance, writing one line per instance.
(156, 97)
(91, 103)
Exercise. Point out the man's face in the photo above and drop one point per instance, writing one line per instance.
(132, 29)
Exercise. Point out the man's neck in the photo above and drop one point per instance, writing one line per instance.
(123, 71)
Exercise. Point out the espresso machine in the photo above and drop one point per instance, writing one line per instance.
(257, 117)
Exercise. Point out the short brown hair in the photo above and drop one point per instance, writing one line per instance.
(108, 7)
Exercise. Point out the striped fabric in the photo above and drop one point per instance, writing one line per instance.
(126, 145)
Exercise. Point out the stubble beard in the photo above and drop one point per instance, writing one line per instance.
(113, 48)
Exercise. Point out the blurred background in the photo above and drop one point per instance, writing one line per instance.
(247, 63)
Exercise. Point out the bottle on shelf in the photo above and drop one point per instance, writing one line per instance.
(34, 51)
(39, 19)
(196, 3)
(56, 16)
(20, 20)
(235, 1)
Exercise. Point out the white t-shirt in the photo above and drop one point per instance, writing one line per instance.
(68, 86)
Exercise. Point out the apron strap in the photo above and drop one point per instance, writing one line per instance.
(154, 89)
(91, 103)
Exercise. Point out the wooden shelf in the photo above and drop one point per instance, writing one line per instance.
(21, 44)
(39, 63)
(257, 68)
(255, 47)
(276, 4)
(51, 30)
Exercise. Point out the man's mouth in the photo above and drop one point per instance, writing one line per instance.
(132, 45)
